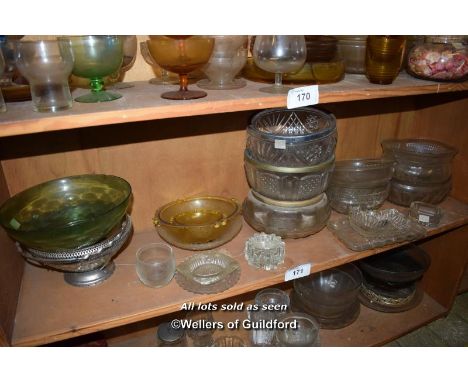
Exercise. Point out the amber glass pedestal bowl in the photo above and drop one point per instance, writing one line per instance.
(67, 213)
(199, 223)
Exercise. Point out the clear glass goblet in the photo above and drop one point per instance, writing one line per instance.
(95, 58)
(228, 58)
(46, 64)
(165, 79)
(279, 55)
(181, 55)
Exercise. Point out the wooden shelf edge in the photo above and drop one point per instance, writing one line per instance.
(259, 281)
(356, 88)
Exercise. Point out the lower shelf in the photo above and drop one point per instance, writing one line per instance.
(50, 310)
(372, 328)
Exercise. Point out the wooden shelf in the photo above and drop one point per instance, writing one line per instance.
(143, 102)
(49, 310)
(372, 328)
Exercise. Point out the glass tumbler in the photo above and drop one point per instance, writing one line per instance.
(228, 58)
(384, 57)
(155, 264)
(203, 335)
(46, 64)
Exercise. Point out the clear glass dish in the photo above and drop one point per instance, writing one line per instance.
(286, 219)
(365, 172)
(199, 223)
(305, 333)
(287, 183)
(292, 138)
(425, 213)
(405, 194)
(342, 199)
(420, 161)
(407, 231)
(208, 272)
(264, 251)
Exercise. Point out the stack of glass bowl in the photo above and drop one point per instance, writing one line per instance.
(289, 157)
(423, 170)
(363, 183)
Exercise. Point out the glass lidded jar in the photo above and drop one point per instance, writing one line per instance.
(352, 50)
(439, 58)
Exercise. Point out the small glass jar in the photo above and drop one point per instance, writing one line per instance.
(439, 58)
(353, 51)
(167, 336)
(425, 213)
(384, 56)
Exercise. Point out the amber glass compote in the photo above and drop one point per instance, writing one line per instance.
(95, 58)
(181, 55)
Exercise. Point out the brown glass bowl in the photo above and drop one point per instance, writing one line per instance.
(199, 223)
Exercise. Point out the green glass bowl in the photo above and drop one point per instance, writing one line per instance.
(66, 213)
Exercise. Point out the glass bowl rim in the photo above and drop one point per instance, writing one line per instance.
(128, 189)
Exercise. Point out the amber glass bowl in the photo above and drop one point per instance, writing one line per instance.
(199, 223)
(384, 57)
(66, 213)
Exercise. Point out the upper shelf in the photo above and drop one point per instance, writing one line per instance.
(143, 102)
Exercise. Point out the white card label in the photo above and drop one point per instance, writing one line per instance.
(280, 144)
(424, 218)
(298, 272)
(303, 96)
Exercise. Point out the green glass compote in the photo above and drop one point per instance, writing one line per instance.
(95, 58)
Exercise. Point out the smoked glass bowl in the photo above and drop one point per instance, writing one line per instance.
(404, 194)
(292, 138)
(66, 213)
(362, 172)
(306, 332)
(286, 219)
(181, 55)
(420, 161)
(96, 57)
(199, 223)
(287, 183)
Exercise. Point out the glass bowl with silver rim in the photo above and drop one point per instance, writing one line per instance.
(287, 183)
(292, 138)
(286, 219)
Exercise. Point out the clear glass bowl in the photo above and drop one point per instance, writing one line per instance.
(292, 138)
(304, 333)
(439, 58)
(362, 172)
(265, 251)
(287, 183)
(286, 219)
(405, 194)
(420, 161)
(66, 213)
(273, 297)
(331, 296)
(342, 199)
(199, 223)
